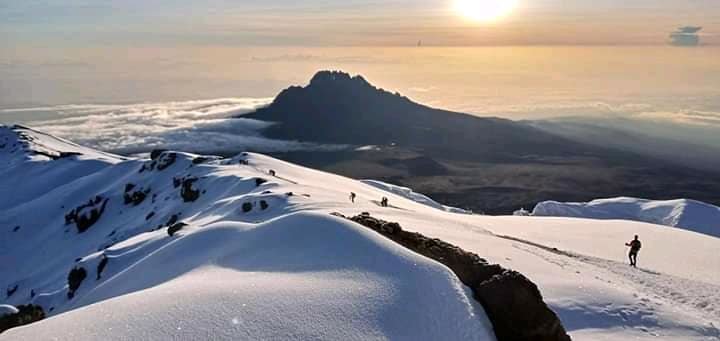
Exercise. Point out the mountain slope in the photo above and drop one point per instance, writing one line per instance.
(688, 214)
(254, 261)
(337, 108)
(484, 164)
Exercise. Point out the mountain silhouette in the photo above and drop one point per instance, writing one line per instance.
(342, 109)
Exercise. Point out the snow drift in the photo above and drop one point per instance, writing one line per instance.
(683, 213)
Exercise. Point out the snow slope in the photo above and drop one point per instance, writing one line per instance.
(286, 269)
(688, 214)
(412, 195)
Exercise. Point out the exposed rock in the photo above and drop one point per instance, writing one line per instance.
(247, 207)
(264, 205)
(16, 228)
(187, 192)
(75, 278)
(11, 290)
(149, 215)
(512, 302)
(25, 314)
(155, 153)
(259, 181)
(86, 215)
(199, 160)
(165, 160)
(135, 197)
(173, 219)
(101, 265)
(175, 228)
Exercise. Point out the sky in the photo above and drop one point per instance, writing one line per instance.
(544, 58)
(348, 22)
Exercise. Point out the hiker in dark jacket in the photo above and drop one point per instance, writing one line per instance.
(352, 197)
(635, 246)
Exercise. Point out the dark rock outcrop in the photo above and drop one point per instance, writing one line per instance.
(175, 228)
(11, 290)
(187, 192)
(76, 276)
(246, 207)
(512, 302)
(166, 160)
(26, 314)
(101, 266)
(259, 181)
(264, 205)
(86, 215)
(135, 197)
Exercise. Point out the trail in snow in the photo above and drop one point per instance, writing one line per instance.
(652, 288)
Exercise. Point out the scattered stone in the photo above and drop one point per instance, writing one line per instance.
(166, 160)
(200, 159)
(135, 197)
(264, 205)
(75, 278)
(247, 207)
(86, 215)
(155, 153)
(271, 172)
(101, 266)
(175, 228)
(16, 228)
(11, 290)
(259, 181)
(149, 215)
(289, 194)
(187, 192)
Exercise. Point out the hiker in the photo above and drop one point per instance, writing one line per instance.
(384, 202)
(635, 246)
(352, 197)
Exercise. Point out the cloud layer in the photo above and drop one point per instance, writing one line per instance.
(203, 126)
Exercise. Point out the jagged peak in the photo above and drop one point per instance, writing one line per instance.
(336, 76)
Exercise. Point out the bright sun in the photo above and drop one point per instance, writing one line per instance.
(485, 10)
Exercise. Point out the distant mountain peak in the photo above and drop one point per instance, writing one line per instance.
(334, 77)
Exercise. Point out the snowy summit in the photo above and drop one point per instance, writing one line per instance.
(185, 246)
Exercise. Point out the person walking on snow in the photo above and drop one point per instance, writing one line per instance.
(352, 197)
(635, 246)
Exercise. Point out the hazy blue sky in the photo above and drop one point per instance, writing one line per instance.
(346, 22)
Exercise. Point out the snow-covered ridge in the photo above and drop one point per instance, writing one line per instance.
(414, 196)
(184, 246)
(682, 213)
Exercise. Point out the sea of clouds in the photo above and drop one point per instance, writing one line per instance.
(201, 126)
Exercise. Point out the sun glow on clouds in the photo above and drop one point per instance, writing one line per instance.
(485, 10)
(201, 126)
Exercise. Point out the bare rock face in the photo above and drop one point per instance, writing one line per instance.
(187, 192)
(512, 302)
(134, 195)
(25, 314)
(175, 228)
(101, 266)
(76, 276)
(86, 215)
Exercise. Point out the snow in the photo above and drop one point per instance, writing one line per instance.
(293, 271)
(414, 196)
(7, 310)
(683, 213)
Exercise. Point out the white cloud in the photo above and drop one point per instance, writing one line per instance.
(197, 126)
